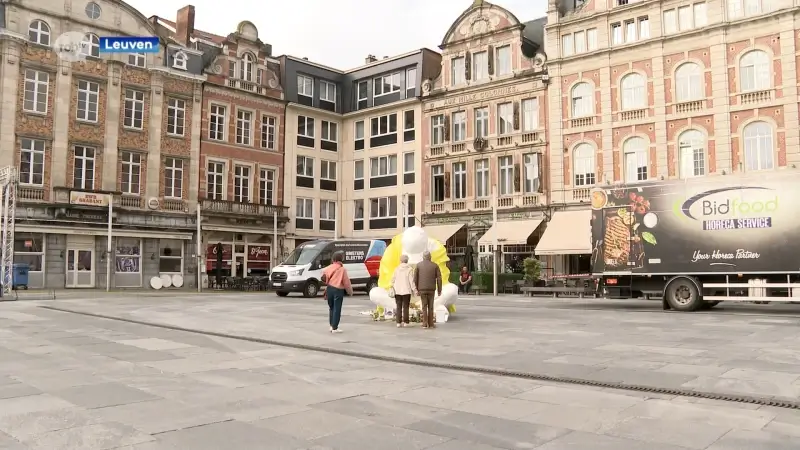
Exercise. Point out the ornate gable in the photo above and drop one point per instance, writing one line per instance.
(479, 19)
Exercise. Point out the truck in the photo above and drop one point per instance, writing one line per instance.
(302, 270)
(697, 242)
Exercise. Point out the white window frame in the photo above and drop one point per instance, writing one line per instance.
(327, 210)
(305, 86)
(304, 208)
(332, 128)
(481, 122)
(759, 146)
(269, 131)
(617, 34)
(634, 91)
(308, 123)
(591, 39)
(31, 161)
(179, 244)
(179, 60)
(268, 186)
(583, 165)
(459, 180)
(133, 117)
(406, 168)
(582, 100)
(567, 45)
(459, 133)
(305, 166)
(39, 32)
(688, 82)
(361, 132)
(670, 21)
(176, 117)
(327, 91)
(458, 75)
(91, 43)
(327, 170)
(413, 121)
(216, 187)
(504, 64)
(390, 171)
(411, 78)
(636, 157)
(630, 31)
(87, 157)
(700, 14)
(366, 91)
(579, 39)
(244, 127)
(90, 91)
(437, 129)
(358, 210)
(755, 72)
(242, 183)
(217, 121)
(137, 60)
(437, 172)
(530, 114)
(505, 118)
(530, 173)
(387, 117)
(356, 164)
(692, 153)
(130, 162)
(685, 20)
(482, 181)
(480, 66)
(36, 85)
(375, 213)
(247, 67)
(505, 175)
(394, 81)
(173, 170)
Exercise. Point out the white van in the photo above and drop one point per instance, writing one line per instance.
(302, 270)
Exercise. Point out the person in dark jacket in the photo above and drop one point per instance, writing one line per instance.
(428, 280)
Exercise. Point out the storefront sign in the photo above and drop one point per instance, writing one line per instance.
(258, 253)
(211, 252)
(88, 199)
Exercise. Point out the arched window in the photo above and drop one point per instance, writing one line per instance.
(692, 151)
(634, 92)
(688, 82)
(248, 63)
(583, 165)
(758, 146)
(582, 101)
(39, 32)
(635, 150)
(754, 71)
(179, 60)
(91, 45)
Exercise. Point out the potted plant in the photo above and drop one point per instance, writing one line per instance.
(533, 270)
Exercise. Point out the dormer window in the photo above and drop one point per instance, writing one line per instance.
(248, 63)
(179, 60)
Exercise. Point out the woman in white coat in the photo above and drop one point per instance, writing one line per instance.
(403, 286)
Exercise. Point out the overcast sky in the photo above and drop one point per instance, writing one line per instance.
(337, 33)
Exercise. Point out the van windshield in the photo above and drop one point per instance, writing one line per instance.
(303, 255)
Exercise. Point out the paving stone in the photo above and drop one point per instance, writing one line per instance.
(577, 396)
(17, 389)
(750, 440)
(435, 396)
(382, 410)
(588, 441)
(235, 377)
(9, 443)
(312, 424)
(158, 416)
(96, 437)
(380, 437)
(154, 344)
(229, 435)
(458, 444)
(501, 407)
(31, 403)
(251, 410)
(23, 426)
(102, 395)
(684, 434)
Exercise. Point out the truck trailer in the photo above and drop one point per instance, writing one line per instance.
(697, 242)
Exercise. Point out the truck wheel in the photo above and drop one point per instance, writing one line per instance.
(282, 294)
(371, 284)
(709, 305)
(311, 290)
(682, 295)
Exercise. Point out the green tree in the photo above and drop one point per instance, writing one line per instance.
(533, 270)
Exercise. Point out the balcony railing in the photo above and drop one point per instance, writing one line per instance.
(30, 193)
(246, 86)
(689, 107)
(634, 114)
(580, 122)
(755, 97)
(485, 204)
(225, 207)
(499, 142)
(174, 204)
(129, 201)
(573, 195)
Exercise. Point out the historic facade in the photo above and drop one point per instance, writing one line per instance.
(354, 137)
(643, 91)
(483, 134)
(241, 147)
(123, 128)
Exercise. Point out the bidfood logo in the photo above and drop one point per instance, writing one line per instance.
(718, 209)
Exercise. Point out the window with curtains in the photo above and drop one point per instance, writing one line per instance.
(583, 165)
(692, 151)
(459, 180)
(754, 71)
(636, 160)
(582, 103)
(506, 175)
(759, 150)
(688, 82)
(634, 93)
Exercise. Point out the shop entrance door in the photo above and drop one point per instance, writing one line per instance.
(80, 268)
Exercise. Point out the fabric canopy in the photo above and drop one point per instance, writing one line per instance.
(442, 232)
(567, 233)
(512, 232)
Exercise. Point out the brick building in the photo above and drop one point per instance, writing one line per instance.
(115, 124)
(483, 129)
(241, 147)
(648, 90)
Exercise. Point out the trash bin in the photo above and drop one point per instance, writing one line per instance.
(20, 276)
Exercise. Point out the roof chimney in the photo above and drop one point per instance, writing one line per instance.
(305, 58)
(370, 59)
(184, 24)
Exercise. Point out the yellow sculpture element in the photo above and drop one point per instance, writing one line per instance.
(391, 259)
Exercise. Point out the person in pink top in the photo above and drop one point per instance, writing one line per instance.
(338, 282)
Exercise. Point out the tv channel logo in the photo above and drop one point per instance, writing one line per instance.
(72, 46)
(128, 44)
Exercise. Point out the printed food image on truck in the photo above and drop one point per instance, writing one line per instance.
(698, 242)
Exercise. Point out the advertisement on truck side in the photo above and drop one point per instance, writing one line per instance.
(724, 224)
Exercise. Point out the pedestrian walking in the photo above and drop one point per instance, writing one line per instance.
(403, 286)
(338, 282)
(428, 280)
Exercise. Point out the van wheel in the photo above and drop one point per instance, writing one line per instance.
(282, 294)
(311, 290)
(371, 284)
(682, 295)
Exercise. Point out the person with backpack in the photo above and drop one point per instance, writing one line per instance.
(338, 282)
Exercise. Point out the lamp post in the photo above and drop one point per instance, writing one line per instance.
(494, 240)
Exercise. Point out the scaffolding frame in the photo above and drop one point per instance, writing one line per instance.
(8, 182)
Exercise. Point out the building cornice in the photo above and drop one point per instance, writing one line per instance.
(518, 78)
(402, 104)
(213, 89)
(172, 73)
